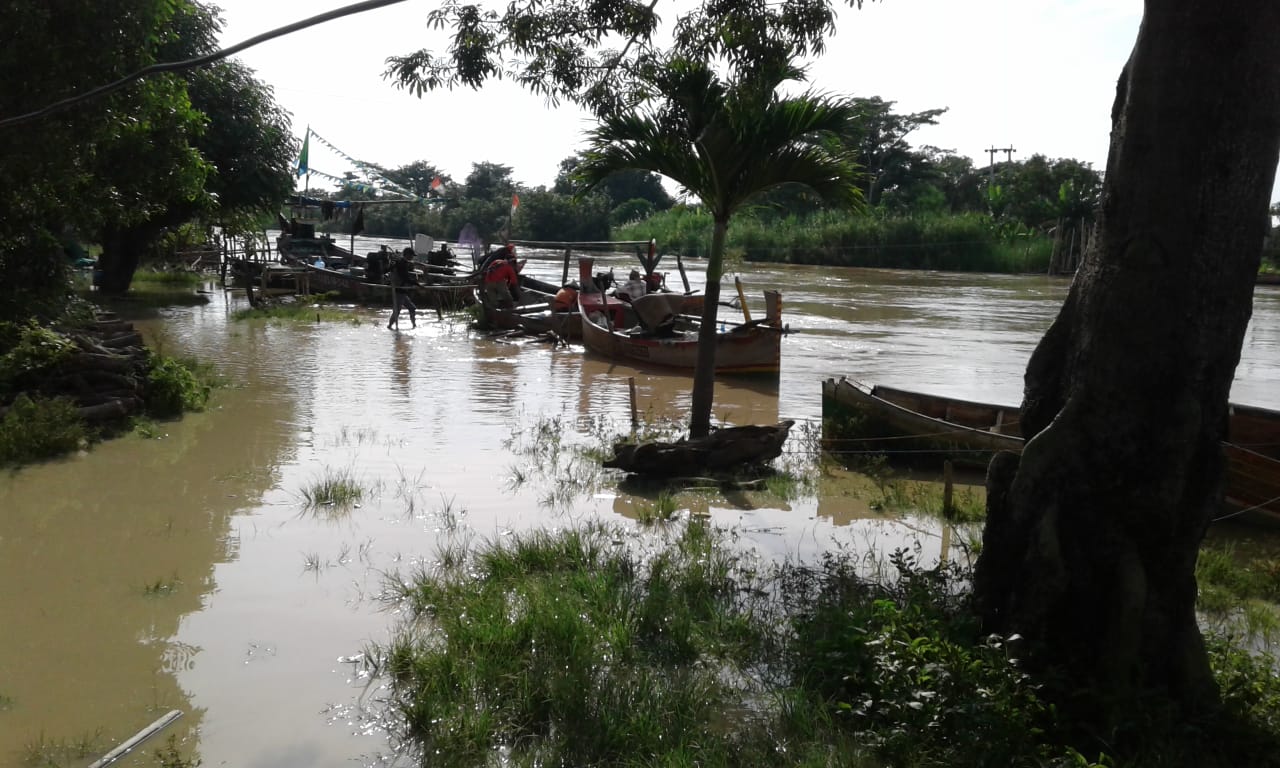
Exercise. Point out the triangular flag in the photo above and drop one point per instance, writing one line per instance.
(306, 148)
(515, 203)
(436, 183)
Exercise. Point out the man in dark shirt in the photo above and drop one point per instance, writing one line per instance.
(402, 276)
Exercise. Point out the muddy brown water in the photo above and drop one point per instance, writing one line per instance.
(184, 571)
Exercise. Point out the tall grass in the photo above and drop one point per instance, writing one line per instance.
(960, 242)
(337, 488)
(588, 647)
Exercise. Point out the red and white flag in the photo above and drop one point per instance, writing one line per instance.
(436, 184)
(515, 203)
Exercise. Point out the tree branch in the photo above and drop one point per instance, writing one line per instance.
(179, 66)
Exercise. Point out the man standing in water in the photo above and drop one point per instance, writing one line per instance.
(402, 275)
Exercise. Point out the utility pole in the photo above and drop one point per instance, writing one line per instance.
(991, 165)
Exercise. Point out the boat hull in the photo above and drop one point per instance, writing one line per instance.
(858, 418)
(745, 349)
(349, 288)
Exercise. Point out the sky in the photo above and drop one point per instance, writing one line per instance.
(1035, 75)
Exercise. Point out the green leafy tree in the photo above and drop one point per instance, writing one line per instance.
(547, 215)
(619, 188)
(417, 177)
(725, 141)
(225, 158)
(1039, 191)
(879, 137)
(74, 171)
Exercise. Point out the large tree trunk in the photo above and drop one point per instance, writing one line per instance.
(704, 372)
(121, 251)
(1092, 536)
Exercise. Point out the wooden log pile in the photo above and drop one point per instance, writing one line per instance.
(106, 375)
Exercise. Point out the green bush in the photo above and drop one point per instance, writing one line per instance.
(34, 430)
(27, 349)
(173, 387)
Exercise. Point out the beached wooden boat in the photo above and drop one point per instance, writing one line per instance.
(858, 418)
(910, 424)
(654, 330)
(442, 294)
(724, 450)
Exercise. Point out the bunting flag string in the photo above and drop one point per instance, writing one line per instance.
(360, 186)
(371, 172)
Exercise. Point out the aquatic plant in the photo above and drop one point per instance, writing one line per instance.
(334, 487)
(35, 429)
(300, 312)
(161, 587)
(169, 277)
(170, 756)
(662, 509)
(174, 386)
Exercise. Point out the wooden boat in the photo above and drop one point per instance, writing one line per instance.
(897, 422)
(532, 314)
(894, 421)
(653, 330)
(305, 247)
(438, 294)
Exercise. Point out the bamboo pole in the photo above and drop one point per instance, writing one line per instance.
(742, 299)
(137, 739)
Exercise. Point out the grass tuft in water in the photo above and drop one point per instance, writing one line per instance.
(170, 756)
(162, 587)
(299, 312)
(50, 753)
(333, 488)
(662, 509)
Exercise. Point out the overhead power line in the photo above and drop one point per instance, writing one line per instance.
(179, 66)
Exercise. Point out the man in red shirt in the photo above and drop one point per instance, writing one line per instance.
(501, 284)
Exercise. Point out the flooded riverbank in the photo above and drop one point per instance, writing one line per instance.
(188, 572)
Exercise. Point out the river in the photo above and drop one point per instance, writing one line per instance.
(184, 570)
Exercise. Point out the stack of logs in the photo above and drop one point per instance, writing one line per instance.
(106, 377)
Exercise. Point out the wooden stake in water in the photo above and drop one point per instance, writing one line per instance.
(947, 510)
(635, 418)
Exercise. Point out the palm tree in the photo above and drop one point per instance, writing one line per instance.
(726, 142)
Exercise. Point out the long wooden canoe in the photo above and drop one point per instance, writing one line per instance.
(862, 418)
(351, 288)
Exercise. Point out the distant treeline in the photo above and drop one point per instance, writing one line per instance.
(932, 210)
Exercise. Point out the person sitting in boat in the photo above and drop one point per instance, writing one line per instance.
(566, 299)
(403, 276)
(633, 289)
(654, 281)
(442, 258)
(507, 252)
(501, 283)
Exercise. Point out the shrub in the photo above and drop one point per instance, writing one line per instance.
(34, 430)
(173, 386)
